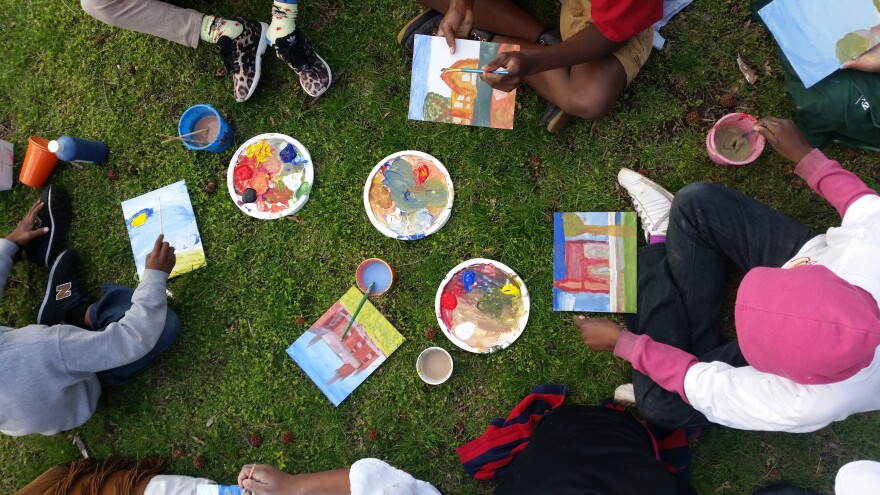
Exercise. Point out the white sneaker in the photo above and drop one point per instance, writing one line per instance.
(651, 201)
(625, 395)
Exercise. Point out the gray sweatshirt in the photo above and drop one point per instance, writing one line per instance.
(47, 374)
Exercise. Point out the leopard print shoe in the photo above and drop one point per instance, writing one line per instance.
(242, 57)
(314, 73)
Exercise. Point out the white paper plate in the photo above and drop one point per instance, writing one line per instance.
(294, 204)
(471, 331)
(416, 223)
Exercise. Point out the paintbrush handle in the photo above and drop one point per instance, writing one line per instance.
(477, 71)
(358, 310)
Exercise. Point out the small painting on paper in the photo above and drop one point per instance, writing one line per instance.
(337, 365)
(818, 36)
(408, 195)
(594, 262)
(454, 95)
(167, 210)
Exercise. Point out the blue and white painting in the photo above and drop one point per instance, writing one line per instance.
(167, 210)
(818, 36)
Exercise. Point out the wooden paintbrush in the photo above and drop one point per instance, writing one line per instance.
(358, 309)
(474, 71)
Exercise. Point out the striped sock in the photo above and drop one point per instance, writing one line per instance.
(213, 28)
(283, 19)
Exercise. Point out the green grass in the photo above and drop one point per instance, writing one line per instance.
(267, 281)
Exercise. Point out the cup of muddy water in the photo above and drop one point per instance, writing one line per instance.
(203, 129)
(434, 365)
(726, 144)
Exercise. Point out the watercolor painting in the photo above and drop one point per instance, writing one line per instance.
(270, 176)
(457, 97)
(219, 490)
(594, 262)
(408, 195)
(818, 36)
(339, 366)
(167, 210)
(482, 306)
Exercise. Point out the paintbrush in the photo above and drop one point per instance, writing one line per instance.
(161, 224)
(251, 475)
(474, 71)
(752, 131)
(358, 309)
(182, 137)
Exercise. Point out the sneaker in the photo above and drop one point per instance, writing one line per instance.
(427, 23)
(63, 291)
(550, 37)
(243, 55)
(625, 395)
(554, 119)
(55, 214)
(314, 73)
(651, 201)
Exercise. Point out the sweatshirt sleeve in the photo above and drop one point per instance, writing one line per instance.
(827, 178)
(124, 341)
(663, 363)
(7, 251)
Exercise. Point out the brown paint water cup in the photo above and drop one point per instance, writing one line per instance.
(742, 123)
(434, 365)
(38, 163)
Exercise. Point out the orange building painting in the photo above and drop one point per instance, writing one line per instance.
(464, 91)
(357, 352)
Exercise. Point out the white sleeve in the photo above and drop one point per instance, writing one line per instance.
(176, 485)
(748, 399)
(858, 478)
(375, 477)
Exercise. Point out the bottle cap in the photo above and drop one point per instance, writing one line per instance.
(55, 146)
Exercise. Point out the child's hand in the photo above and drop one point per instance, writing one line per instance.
(161, 257)
(515, 63)
(457, 22)
(866, 62)
(25, 231)
(785, 137)
(262, 479)
(599, 334)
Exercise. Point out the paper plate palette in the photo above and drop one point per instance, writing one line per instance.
(270, 176)
(408, 195)
(482, 306)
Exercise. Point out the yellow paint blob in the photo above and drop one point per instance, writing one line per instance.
(510, 290)
(139, 220)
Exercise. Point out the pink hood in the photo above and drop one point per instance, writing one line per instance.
(806, 324)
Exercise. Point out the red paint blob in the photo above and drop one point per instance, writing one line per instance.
(422, 174)
(448, 301)
(243, 172)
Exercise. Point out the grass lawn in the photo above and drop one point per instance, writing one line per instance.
(228, 376)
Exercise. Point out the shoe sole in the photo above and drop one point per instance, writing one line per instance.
(330, 83)
(258, 63)
(49, 288)
(657, 187)
(413, 24)
(554, 124)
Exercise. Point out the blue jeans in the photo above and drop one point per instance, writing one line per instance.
(681, 283)
(111, 308)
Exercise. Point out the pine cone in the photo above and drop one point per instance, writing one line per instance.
(255, 439)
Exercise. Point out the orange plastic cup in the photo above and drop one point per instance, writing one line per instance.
(38, 163)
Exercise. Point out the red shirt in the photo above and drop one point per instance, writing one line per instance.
(620, 20)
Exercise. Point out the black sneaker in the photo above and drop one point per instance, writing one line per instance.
(314, 74)
(55, 214)
(554, 119)
(243, 55)
(427, 23)
(63, 291)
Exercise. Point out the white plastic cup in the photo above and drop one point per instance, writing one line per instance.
(434, 365)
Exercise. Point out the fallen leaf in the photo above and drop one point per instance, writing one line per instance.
(210, 421)
(767, 70)
(198, 440)
(747, 71)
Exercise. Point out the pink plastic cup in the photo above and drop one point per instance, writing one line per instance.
(742, 122)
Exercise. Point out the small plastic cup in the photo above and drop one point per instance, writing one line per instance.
(375, 270)
(38, 163)
(434, 365)
(197, 142)
(742, 122)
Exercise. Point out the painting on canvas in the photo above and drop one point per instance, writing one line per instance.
(818, 36)
(594, 262)
(336, 365)
(167, 210)
(457, 97)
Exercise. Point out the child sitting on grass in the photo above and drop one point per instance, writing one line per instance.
(580, 69)
(52, 372)
(807, 320)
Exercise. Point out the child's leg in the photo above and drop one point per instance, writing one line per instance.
(711, 226)
(149, 16)
(111, 308)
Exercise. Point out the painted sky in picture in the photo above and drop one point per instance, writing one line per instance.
(818, 36)
(457, 97)
(170, 211)
(594, 262)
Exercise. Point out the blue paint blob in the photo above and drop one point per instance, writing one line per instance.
(379, 273)
(467, 280)
(408, 195)
(288, 154)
